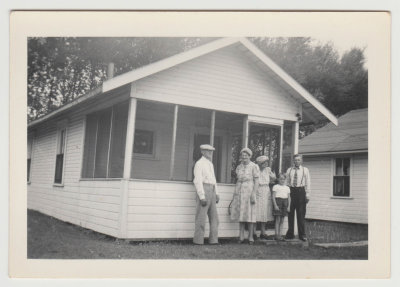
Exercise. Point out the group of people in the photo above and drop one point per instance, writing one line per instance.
(252, 201)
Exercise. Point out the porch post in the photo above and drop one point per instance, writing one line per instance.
(130, 137)
(295, 135)
(245, 141)
(212, 129)
(281, 150)
(172, 164)
(130, 134)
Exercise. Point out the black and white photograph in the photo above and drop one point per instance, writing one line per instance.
(250, 148)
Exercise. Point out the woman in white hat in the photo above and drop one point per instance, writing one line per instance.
(244, 198)
(264, 199)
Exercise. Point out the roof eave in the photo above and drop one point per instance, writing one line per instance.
(289, 80)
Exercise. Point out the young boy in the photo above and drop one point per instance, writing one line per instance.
(281, 202)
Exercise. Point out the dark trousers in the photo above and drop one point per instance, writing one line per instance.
(298, 204)
(202, 212)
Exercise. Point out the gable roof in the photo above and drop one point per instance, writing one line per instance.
(351, 135)
(313, 110)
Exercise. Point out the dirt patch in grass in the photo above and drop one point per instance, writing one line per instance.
(49, 238)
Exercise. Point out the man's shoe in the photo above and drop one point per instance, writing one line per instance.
(289, 237)
(303, 239)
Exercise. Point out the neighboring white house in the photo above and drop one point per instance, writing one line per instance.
(119, 159)
(337, 157)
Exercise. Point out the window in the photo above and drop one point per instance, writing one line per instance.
(341, 178)
(29, 156)
(58, 177)
(104, 148)
(144, 142)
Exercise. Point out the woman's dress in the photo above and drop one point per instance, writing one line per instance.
(242, 209)
(264, 198)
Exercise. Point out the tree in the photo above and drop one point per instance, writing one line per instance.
(62, 69)
(340, 83)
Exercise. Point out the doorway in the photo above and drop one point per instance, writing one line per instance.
(266, 140)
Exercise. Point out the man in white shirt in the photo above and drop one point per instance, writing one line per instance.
(207, 197)
(299, 181)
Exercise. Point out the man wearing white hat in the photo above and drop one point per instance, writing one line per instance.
(207, 197)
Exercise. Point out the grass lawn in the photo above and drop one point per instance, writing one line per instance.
(53, 239)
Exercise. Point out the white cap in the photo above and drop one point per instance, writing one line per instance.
(206, 147)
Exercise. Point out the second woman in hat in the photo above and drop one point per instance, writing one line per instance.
(264, 199)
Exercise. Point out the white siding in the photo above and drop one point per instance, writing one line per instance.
(224, 80)
(90, 204)
(162, 209)
(322, 204)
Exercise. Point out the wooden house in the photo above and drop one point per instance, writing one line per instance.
(337, 157)
(119, 159)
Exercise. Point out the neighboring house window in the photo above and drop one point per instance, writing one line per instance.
(341, 178)
(104, 148)
(29, 156)
(144, 142)
(58, 177)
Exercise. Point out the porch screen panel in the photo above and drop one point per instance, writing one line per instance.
(117, 152)
(288, 148)
(90, 146)
(235, 151)
(265, 140)
(102, 144)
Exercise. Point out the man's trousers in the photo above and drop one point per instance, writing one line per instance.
(202, 212)
(298, 204)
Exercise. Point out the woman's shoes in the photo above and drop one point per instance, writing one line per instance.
(263, 236)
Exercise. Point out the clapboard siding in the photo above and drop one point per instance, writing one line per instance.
(322, 204)
(161, 209)
(93, 204)
(224, 80)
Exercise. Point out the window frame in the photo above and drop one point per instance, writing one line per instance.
(61, 126)
(350, 196)
(30, 140)
(153, 154)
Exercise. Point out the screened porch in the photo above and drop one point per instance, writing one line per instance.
(166, 138)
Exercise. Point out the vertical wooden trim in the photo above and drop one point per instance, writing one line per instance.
(295, 134)
(109, 142)
(228, 156)
(245, 141)
(83, 144)
(130, 135)
(189, 175)
(281, 151)
(212, 128)
(95, 145)
(172, 163)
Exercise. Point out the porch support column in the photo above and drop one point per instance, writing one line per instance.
(130, 137)
(295, 135)
(172, 164)
(212, 129)
(245, 141)
(130, 134)
(281, 150)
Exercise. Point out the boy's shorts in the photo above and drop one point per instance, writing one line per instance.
(283, 205)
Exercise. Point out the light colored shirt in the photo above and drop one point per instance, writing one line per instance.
(266, 175)
(303, 178)
(204, 173)
(281, 191)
